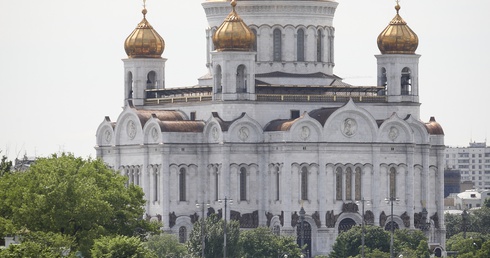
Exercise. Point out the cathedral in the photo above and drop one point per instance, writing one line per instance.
(270, 130)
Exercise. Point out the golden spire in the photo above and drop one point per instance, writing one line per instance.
(397, 37)
(144, 41)
(233, 34)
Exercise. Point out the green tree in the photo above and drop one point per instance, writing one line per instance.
(214, 238)
(166, 246)
(349, 243)
(75, 197)
(261, 242)
(40, 244)
(409, 239)
(5, 166)
(466, 246)
(120, 247)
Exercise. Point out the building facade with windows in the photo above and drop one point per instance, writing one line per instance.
(472, 161)
(274, 129)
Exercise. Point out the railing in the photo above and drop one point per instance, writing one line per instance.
(160, 101)
(272, 98)
(319, 98)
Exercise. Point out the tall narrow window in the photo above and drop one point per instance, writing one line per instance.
(182, 185)
(348, 183)
(218, 80)
(130, 85)
(304, 183)
(338, 181)
(243, 184)
(277, 45)
(300, 45)
(241, 81)
(216, 185)
(392, 182)
(383, 81)
(358, 184)
(182, 234)
(406, 81)
(155, 184)
(319, 46)
(278, 184)
(255, 42)
(137, 176)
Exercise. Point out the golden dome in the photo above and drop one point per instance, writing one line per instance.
(144, 41)
(397, 37)
(233, 34)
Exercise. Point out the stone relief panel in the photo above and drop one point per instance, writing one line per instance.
(131, 129)
(349, 127)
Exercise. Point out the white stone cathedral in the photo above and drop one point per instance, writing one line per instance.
(274, 129)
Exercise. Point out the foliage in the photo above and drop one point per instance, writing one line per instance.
(40, 244)
(5, 166)
(120, 247)
(166, 246)
(261, 242)
(214, 238)
(80, 198)
(468, 245)
(349, 243)
(410, 243)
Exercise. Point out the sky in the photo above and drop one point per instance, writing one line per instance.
(61, 71)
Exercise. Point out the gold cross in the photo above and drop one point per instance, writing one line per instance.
(144, 4)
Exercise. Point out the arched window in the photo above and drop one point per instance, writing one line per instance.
(406, 81)
(319, 46)
(304, 183)
(182, 185)
(338, 181)
(155, 184)
(278, 184)
(254, 31)
(277, 45)
(216, 185)
(392, 182)
(131, 176)
(300, 45)
(182, 234)
(383, 81)
(348, 183)
(358, 184)
(130, 85)
(241, 80)
(243, 184)
(151, 80)
(218, 86)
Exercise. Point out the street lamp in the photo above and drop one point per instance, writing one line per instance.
(203, 242)
(362, 201)
(226, 200)
(465, 217)
(302, 229)
(391, 200)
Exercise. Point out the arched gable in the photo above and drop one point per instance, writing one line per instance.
(245, 129)
(105, 133)
(350, 123)
(128, 130)
(213, 132)
(152, 133)
(395, 130)
(305, 129)
(420, 134)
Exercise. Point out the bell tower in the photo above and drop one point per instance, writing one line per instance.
(233, 61)
(398, 65)
(144, 69)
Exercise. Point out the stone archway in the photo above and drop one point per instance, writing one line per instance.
(389, 225)
(346, 224)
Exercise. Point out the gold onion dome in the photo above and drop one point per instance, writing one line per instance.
(144, 41)
(397, 37)
(233, 34)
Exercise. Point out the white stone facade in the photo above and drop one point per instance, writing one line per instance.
(274, 146)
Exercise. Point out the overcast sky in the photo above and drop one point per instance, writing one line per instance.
(61, 70)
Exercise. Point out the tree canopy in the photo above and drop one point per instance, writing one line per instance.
(83, 199)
